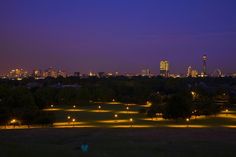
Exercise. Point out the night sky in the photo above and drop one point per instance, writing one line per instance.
(117, 35)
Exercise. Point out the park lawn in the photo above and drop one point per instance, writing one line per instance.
(104, 117)
(151, 142)
(104, 141)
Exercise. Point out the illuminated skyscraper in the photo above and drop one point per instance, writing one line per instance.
(192, 72)
(204, 71)
(164, 68)
(189, 72)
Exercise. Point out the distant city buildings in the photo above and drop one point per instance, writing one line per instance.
(37, 74)
(77, 74)
(52, 72)
(204, 66)
(19, 74)
(174, 75)
(192, 72)
(102, 74)
(61, 74)
(92, 74)
(164, 68)
(110, 74)
(146, 73)
(189, 72)
(217, 73)
(233, 75)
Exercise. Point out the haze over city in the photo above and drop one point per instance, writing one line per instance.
(123, 36)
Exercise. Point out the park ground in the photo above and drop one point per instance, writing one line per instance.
(111, 136)
(121, 115)
(117, 142)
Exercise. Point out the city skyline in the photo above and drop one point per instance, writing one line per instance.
(164, 71)
(164, 66)
(124, 36)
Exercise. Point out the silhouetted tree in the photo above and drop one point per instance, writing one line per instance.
(178, 106)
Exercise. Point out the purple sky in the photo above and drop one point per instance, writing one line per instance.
(124, 35)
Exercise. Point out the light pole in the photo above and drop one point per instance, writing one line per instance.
(187, 120)
(73, 120)
(68, 118)
(131, 122)
(116, 116)
(13, 121)
(127, 108)
(99, 108)
(194, 95)
(74, 107)
(226, 112)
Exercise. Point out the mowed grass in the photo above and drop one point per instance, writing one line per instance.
(93, 115)
(104, 142)
(104, 117)
(160, 140)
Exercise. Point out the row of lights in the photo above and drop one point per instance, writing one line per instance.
(69, 118)
(52, 106)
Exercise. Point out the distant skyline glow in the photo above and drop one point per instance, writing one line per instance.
(123, 36)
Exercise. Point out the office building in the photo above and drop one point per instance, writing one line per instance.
(164, 68)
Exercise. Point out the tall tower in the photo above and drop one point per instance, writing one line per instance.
(164, 68)
(204, 59)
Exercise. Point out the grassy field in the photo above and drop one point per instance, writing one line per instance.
(92, 116)
(108, 136)
(104, 142)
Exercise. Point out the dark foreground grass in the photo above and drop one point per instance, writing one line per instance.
(149, 142)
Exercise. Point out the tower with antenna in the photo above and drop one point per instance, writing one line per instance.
(204, 68)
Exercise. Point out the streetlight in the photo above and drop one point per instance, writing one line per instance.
(99, 107)
(148, 104)
(131, 122)
(73, 120)
(187, 120)
(226, 111)
(52, 106)
(127, 108)
(68, 117)
(74, 106)
(13, 121)
(116, 116)
(194, 94)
